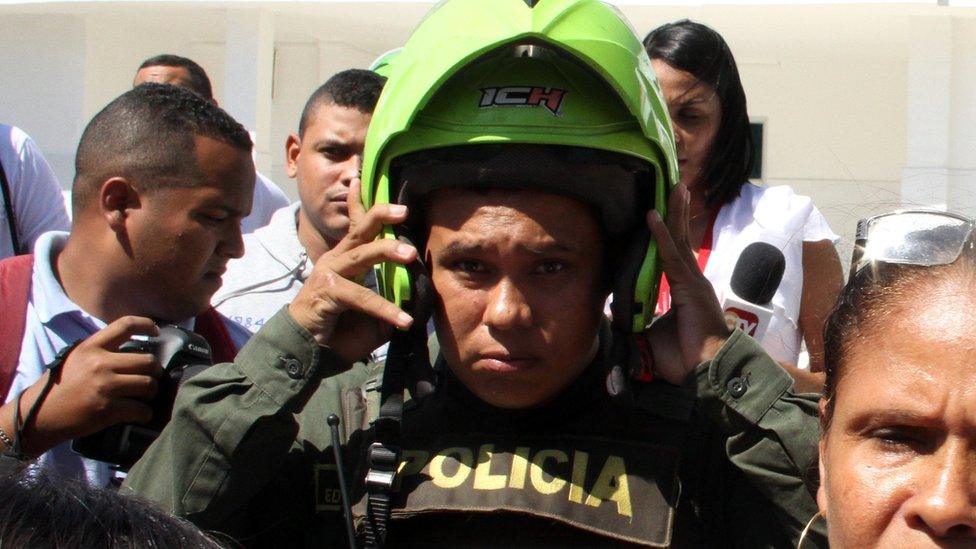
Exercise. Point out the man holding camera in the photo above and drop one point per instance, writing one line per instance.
(151, 236)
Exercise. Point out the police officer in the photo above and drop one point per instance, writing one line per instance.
(522, 151)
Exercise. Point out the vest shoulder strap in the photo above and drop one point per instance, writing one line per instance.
(211, 326)
(15, 283)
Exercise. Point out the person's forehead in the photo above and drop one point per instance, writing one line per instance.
(454, 208)
(681, 86)
(328, 117)
(162, 74)
(490, 196)
(214, 154)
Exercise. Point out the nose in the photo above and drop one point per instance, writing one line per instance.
(352, 168)
(507, 308)
(945, 506)
(232, 246)
(679, 136)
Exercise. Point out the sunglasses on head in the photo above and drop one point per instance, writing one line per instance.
(911, 237)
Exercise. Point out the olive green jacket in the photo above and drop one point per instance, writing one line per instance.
(248, 451)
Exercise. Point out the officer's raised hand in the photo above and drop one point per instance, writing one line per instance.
(694, 329)
(338, 311)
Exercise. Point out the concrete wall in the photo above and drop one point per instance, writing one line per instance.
(43, 83)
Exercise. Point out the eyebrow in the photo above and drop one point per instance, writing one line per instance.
(699, 93)
(230, 211)
(331, 140)
(874, 418)
(462, 248)
(550, 248)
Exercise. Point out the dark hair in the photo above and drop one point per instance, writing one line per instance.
(46, 510)
(147, 134)
(356, 88)
(199, 81)
(700, 51)
(871, 298)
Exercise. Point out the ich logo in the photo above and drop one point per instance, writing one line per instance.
(523, 96)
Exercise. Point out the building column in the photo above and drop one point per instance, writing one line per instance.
(248, 76)
(962, 135)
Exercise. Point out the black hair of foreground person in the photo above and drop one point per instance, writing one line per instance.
(44, 510)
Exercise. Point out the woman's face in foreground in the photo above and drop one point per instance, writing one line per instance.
(898, 461)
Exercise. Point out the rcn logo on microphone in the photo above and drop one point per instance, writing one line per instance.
(523, 96)
(744, 320)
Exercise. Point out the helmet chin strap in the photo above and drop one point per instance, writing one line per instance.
(407, 368)
(625, 359)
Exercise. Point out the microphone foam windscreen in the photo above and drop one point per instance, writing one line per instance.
(758, 272)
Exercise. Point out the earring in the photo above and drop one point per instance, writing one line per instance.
(806, 529)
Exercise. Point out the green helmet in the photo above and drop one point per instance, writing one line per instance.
(556, 93)
(383, 64)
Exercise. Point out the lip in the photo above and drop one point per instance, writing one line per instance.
(342, 198)
(216, 274)
(504, 362)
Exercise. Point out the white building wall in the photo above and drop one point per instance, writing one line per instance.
(42, 83)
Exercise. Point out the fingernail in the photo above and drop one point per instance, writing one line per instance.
(404, 249)
(404, 320)
(398, 209)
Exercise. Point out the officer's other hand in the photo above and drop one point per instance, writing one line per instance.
(338, 311)
(694, 329)
(96, 387)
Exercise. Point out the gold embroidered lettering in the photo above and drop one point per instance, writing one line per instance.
(520, 464)
(462, 456)
(483, 479)
(576, 491)
(537, 470)
(612, 485)
(413, 462)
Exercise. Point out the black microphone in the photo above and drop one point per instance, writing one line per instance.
(755, 278)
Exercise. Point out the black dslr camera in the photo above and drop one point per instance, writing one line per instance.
(182, 355)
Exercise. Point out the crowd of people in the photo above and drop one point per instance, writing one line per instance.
(493, 317)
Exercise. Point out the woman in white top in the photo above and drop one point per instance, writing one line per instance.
(701, 85)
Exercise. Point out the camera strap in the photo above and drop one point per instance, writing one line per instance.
(15, 452)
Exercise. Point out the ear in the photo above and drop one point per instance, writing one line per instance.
(821, 451)
(115, 198)
(293, 147)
